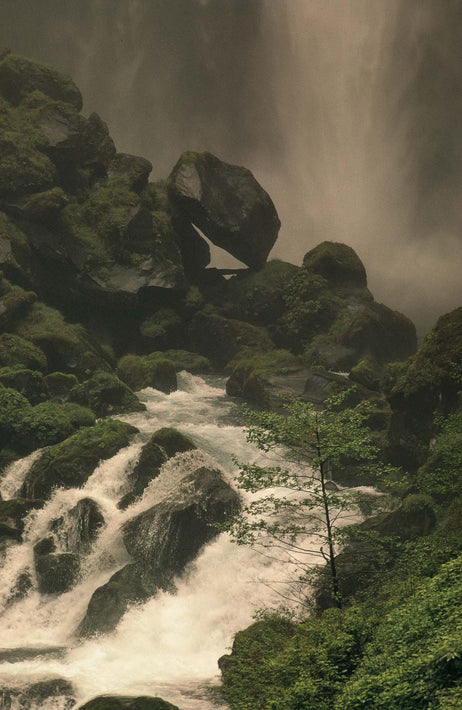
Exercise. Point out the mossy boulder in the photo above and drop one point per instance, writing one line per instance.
(258, 296)
(30, 383)
(338, 264)
(15, 303)
(152, 370)
(368, 373)
(172, 441)
(163, 329)
(186, 360)
(131, 169)
(227, 204)
(105, 394)
(260, 378)
(70, 463)
(16, 351)
(220, 339)
(118, 702)
(56, 573)
(68, 348)
(20, 76)
(60, 384)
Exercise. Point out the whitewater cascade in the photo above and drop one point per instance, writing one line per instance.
(169, 645)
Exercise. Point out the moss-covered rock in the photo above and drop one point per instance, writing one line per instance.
(69, 348)
(261, 377)
(17, 351)
(15, 303)
(59, 385)
(185, 360)
(152, 370)
(220, 339)
(71, 462)
(163, 329)
(172, 441)
(132, 169)
(20, 76)
(30, 383)
(118, 702)
(338, 264)
(259, 296)
(105, 394)
(368, 373)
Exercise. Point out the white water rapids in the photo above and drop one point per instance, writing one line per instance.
(168, 646)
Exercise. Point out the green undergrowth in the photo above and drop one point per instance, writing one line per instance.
(397, 645)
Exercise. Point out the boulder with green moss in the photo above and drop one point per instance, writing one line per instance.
(220, 339)
(105, 394)
(154, 370)
(30, 383)
(164, 328)
(264, 378)
(20, 76)
(69, 348)
(70, 463)
(338, 264)
(124, 702)
(15, 303)
(17, 351)
(227, 204)
(186, 360)
(172, 441)
(132, 169)
(60, 384)
(258, 296)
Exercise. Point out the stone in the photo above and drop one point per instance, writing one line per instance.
(20, 76)
(165, 538)
(70, 463)
(57, 691)
(79, 527)
(172, 441)
(106, 395)
(338, 264)
(227, 204)
(146, 469)
(15, 350)
(119, 702)
(56, 572)
(152, 370)
(130, 168)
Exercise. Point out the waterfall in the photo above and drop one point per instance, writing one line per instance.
(168, 646)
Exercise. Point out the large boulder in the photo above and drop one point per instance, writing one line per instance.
(154, 370)
(227, 204)
(146, 469)
(20, 76)
(56, 693)
(164, 538)
(220, 339)
(130, 168)
(12, 514)
(56, 572)
(70, 463)
(78, 528)
(106, 395)
(338, 264)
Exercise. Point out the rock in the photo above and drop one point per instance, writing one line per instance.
(185, 360)
(106, 395)
(172, 441)
(227, 204)
(20, 76)
(258, 296)
(12, 514)
(130, 168)
(220, 339)
(79, 527)
(164, 538)
(15, 303)
(42, 206)
(59, 692)
(367, 373)
(152, 370)
(195, 252)
(15, 350)
(109, 602)
(163, 329)
(56, 572)
(260, 378)
(29, 383)
(98, 146)
(71, 462)
(147, 468)
(338, 264)
(61, 125)
(60, 384)
(119, 702)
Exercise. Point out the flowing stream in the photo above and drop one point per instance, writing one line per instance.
(168, 646)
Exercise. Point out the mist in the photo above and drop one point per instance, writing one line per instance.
(347, 111)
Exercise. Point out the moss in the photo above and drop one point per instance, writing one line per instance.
(43, 205)
(338, 264)
(154, 370)
(15, 303)
(368, 373)
(29, 383)
(14, 411)
(220, 339)
(259, 296)
(108, 209)
(163, 327)
(20, 76)
(157, 195)
(274, 362)
(16, 350)
(105, 394)
(49, 423)
(68, 347)
(59, 384)
(70, 463)
(185, 360)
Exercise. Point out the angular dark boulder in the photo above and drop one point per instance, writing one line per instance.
(172, 441)
(130, 168)
(338, 264)
(56, 572)
(79, 527)
(146, 469)
(164, 538)
(12, 514)
(109, 602)
(227, 204)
